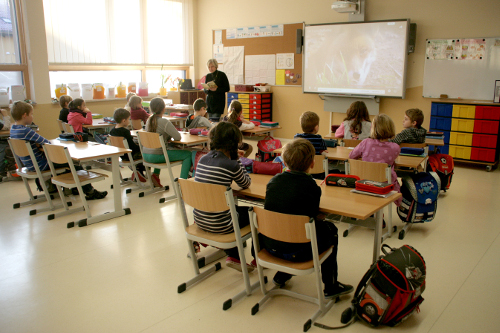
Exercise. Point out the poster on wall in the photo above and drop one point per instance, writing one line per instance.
(285, 60)
(260, 69)
(233, 63)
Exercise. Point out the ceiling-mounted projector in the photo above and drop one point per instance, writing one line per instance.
(345, 6)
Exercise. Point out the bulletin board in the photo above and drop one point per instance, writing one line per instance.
(269, 45)
(462, 68)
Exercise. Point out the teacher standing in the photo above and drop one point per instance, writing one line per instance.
(216, 96)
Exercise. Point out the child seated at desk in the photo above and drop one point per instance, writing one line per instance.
(23, 115)
(222, 166)
(129, 95)
(122, 118)
(413, 131)
(296, 192)
(137, 112)
(378, 148)
(4, 126)
(357, 124)
(309, 122)
(197, 119)
(157, 124)
(64, 102)
(79, 115)
(235, 117)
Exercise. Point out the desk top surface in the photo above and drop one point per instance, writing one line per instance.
(429, 142)
(334, 200)
(186, 138)
(342, 154)
(89, 150)
(99, 123)
(260, 129)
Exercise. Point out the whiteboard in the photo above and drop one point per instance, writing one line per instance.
(466, 79)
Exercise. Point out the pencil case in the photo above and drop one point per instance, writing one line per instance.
(179, 114)
(255, 122)
(412, 151)
(341, 180)
(374, 187)
(195, 131)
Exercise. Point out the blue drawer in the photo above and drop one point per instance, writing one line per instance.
(232, 95)
(441, 110)
(439, 123)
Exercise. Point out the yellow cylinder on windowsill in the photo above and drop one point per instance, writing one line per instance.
(98, 91)
(61, 90)
(121, 91)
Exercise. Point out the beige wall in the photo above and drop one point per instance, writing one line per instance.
(434, 18)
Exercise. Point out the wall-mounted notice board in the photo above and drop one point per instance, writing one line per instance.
(262, 44)
(462, 68)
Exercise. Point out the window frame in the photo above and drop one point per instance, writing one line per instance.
(23, 65)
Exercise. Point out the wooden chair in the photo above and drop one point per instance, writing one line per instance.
(121, 142)
(60, 154)
(136, 124)
(379, 172)
(68, 128)
(155, 141)
(60, 124)
(212, 198)
(291, 229)
(350, 142)
(320, 165)
(22, 148)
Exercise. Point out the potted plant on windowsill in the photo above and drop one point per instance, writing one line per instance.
(164, 80)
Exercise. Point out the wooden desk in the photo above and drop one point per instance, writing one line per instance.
(99, 123)
(335, 200)
(259, 130)
(342, 154)
(187, 140)
(4, 134)
(179, 108)
(87, 151)
(177, 120)
(429, 142)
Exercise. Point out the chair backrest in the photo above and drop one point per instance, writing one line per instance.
(379, 172)
(282, 227)
(318, 164)
(149, 139)
(56, 154)
(117, 141)
(136, 124)
(351, 142)
(204, 196)
(19, 147)
(413, 145)
(60, 124)
(68, 128)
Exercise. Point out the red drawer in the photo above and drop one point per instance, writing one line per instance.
(255, 96)
(484, 140)
(255, 117)
(486, 126)
(255, 111)
(266, 106)
(483, 154)
(487, 112)
(266, 117)
(255, 107)
(255, 101)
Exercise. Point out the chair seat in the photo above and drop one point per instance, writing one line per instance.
(24, 172)
(304, 265)
(84, 176)
(194, 230)
(161, 165)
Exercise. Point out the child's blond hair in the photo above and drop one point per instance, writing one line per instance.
(308, 121)
(65, 99)
(130, 94)
(19, 108)
(382, 127)
(134, 101)
(415, 115)
(298, 155)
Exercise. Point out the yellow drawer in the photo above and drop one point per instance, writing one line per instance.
(243, 96)
(462, 125)
(462, 139)
(460, 152)
(464, 111)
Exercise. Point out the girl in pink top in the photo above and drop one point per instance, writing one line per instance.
(377, 148)
(79, 114)
(136, 109)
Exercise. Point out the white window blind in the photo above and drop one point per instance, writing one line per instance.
(118, 31)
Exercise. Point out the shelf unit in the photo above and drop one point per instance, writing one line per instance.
(186, 97)
(256, 105)
(470, 130)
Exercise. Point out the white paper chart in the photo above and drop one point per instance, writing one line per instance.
(260, 69)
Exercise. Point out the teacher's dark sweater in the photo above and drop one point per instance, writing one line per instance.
(216, 100)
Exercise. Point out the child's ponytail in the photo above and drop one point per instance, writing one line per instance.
(157, 105)
(74, 104)
(235, 110)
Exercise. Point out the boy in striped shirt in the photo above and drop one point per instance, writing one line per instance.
(221, 166)
(22, 113)
(309, 121)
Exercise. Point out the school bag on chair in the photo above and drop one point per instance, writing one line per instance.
(266, 148)
(443, 165)
(420, 193)
(391, 290)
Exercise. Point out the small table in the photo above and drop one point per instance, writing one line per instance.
(335, 200)
(181, 121)
(98, 124)
(179, 108)
(87, 151)
(187, 140)
(260, 130)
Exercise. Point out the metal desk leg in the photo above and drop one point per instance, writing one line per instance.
(378, 232)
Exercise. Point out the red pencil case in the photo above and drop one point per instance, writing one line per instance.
(374, 187)
(341, 180)
(256, 123)
(179, 114)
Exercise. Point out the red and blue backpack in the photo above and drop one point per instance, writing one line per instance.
(442, 164)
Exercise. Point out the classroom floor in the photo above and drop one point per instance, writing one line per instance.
(121, 275)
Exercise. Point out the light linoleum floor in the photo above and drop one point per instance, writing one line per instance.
(122, 275)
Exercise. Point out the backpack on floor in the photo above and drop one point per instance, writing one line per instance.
(420, 193)
(266, 148)
(390, 291)
(442, 164)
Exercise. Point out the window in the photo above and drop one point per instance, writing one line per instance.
(13, 64)
(123, 36)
